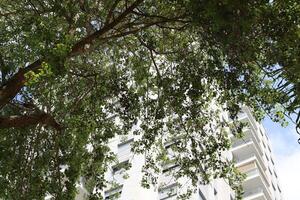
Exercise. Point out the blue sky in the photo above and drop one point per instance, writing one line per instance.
(286, 150)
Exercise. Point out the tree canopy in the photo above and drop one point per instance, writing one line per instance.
(75, 73)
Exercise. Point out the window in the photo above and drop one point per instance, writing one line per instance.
(170, 167)
(166, 193)
(202, 197)
(124, 149)
(266, 157)
(113, 193)
(269, 149)
(215, 192)
(125, 143)
(279, 188)
(262, 135)
(273, 187)
(270, 170)
(122, 166)
(272, 160)
(275, 174)
(173, 142)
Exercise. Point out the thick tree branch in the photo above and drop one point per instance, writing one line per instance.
(17, 81)
(20, 121)
(2, 68)
(111, 11)
(143, 26)
(79, 47)
(11, 88)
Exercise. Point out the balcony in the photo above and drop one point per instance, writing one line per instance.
(253, 126)
(250, 117)
(248, 150)
(256, 183)
(249, 135)
(168, 192)
(255, 194)
(124, 150)
(239, 142)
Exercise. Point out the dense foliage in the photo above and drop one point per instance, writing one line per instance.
(74, 73)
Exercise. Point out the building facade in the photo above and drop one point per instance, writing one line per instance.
(252, 154)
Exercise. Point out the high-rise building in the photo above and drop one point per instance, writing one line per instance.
(252, 154)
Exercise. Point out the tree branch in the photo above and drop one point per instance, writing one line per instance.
(79, 47)
(11, 88)
(17, 81)
(20, 121)
(111, 11)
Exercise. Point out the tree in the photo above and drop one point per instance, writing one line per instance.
(76, 73)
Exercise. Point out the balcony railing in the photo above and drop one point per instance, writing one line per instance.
(257, 172)
(241, 142)
(250, 156)
(253, 192)
(252, 172)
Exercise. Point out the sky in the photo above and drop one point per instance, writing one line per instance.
(286, 151)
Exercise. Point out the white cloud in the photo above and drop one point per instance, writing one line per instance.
(289, 175)
(287, 158)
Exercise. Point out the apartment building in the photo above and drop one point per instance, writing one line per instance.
(252, 154)
(128, 185)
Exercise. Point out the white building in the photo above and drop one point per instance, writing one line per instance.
(252, 154)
